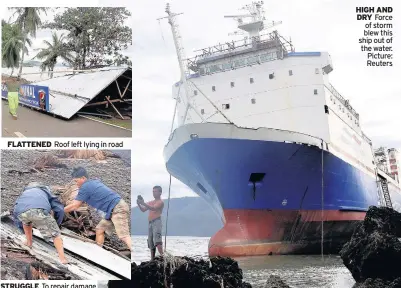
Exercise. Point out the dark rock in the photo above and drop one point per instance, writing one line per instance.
(187, 272)
(275, 282)
(148, 274)
(384, 220)
(374, 250)
(119, 284)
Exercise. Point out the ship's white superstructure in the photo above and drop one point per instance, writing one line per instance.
(261, 82)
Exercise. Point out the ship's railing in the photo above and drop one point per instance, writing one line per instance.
(348, 106)
(241, 62)
(262, 42)
(342, 100)
(366, 138)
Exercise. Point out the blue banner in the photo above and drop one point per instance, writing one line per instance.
(4, 90)
(34, 96)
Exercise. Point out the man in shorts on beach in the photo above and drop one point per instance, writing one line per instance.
(155, 208)
(34, 207)
(99, 196)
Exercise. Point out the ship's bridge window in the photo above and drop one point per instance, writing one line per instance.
(271, 76)
(232, 84)
(215, 68)
(251, 80)
(290, 72)
(252, 60)
(315, 91)
(253, 100)
(213, 88)
(227, 66)
(267, 57)
(226, 106)
(239, 63)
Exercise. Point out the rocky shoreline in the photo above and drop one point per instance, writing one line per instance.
(372, 255)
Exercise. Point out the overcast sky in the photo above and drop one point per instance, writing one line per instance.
(45, 34)
(312, 25)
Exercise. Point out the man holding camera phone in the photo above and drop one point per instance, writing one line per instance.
(155, 208)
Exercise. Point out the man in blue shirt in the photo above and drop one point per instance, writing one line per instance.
(99, 196)
(34, 207)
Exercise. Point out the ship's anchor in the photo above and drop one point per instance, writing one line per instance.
(256, 178)
(254, 191)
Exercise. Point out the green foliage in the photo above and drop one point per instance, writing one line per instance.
(28, 18)
(97, 35)
(12, 44)
(28, 21)
(58, 48)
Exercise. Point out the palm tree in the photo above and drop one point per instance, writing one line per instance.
(12, 46)
(57, 48)
(29, 21)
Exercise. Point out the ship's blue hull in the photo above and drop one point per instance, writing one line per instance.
(221, 171)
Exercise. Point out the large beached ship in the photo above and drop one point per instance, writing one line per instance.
(271, 145)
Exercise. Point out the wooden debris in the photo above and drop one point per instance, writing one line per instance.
(80, 220)
(85, 154)
(48, 161)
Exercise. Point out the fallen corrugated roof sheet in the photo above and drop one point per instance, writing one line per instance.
(82, 255)
(69, 93)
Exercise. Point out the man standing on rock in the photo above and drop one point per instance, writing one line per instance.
(155, 208)
(34, 207)
(99, 196)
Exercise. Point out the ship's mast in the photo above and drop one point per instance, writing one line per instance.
(180, 54)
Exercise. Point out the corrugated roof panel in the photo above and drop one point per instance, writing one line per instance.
(45, 252)
(85, 85)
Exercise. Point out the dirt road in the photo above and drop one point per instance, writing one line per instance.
(32, 123)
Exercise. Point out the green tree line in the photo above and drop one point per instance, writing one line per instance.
(82, 37)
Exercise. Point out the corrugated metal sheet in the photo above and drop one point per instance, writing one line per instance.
(83, 269)
(85, 85)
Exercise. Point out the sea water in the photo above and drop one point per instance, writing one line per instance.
(297, 271)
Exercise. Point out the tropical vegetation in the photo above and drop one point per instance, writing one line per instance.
(95, 37)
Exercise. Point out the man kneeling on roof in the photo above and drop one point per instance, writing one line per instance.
(34, 208)
(99, 196)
